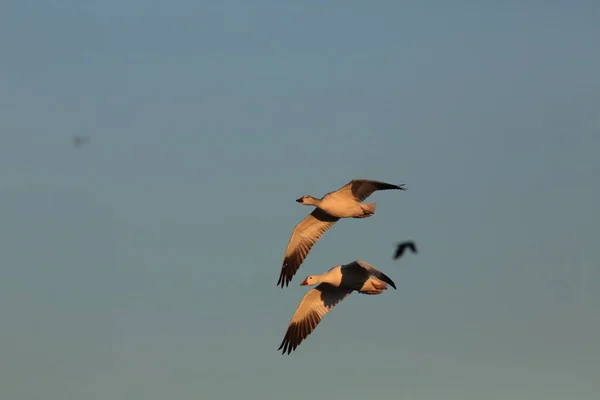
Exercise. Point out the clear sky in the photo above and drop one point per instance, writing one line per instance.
(144, 264)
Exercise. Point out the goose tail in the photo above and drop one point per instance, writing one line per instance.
(369, 208)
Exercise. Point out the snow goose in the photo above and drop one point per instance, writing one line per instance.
(334, 286)
(345, 202)
(403, 246)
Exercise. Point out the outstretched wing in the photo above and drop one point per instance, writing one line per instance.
(360, 189)
(311, 310)
(304, 237)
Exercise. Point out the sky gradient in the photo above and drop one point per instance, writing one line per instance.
(143, 265)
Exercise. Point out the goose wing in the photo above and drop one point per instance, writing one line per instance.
(304, 237)
(311, 310)
(360, 189)
(359, 265)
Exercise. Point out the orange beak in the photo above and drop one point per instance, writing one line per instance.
(304, 282)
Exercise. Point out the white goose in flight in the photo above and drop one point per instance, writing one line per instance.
(334, 286)
(345, 202)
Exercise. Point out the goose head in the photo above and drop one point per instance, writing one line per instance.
(332, 277)
(307, 200)
(310, 280)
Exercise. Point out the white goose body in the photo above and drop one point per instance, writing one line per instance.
(341, 206)
(333, 286)
(349, 276)
(346, 202)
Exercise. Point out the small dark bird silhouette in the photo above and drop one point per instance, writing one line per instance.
(80, 140)
(402, 246)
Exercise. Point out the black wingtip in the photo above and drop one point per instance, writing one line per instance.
(391, 186)
(281, 283)
(283, 280)
(286, 346)
(387, 279)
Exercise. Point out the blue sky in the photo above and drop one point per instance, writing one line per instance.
(144, 265)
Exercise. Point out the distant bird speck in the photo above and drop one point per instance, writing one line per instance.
(79, 141)
(402, 246)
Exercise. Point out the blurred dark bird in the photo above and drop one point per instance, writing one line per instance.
(403, 246)
(79, 141)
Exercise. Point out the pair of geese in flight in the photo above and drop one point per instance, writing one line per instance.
(340, 281)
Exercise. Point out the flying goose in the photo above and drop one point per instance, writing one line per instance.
(345, 202)
(403, 246)
(334, 286)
